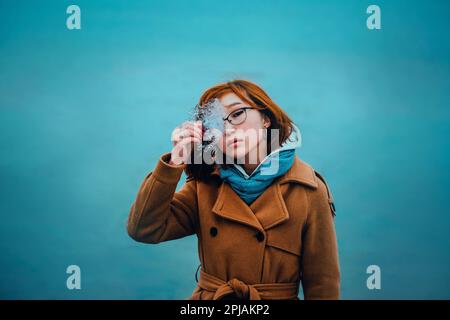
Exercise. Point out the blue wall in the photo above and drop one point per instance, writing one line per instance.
(85, 115)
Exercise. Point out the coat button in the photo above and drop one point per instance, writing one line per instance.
(260, 236)
(213, 231)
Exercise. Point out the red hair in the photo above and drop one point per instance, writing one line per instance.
(254, 96)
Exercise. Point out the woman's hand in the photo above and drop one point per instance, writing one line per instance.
(183, 137)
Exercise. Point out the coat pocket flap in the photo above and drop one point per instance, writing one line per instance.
(284, 241)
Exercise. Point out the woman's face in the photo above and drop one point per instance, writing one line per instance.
(245, 138)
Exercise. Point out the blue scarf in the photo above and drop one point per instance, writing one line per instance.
(276, 164)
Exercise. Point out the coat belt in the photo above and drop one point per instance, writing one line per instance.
(260, 291)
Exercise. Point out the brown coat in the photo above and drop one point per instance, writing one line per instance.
(262, 251)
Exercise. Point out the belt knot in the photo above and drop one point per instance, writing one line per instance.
(246, 291)
(242, 290)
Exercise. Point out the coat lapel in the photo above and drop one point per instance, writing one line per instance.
(269, 209)
(230, 206)
(301, 173)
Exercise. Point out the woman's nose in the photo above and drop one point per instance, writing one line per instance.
(229, 127)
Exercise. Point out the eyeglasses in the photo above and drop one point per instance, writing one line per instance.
(238, 116)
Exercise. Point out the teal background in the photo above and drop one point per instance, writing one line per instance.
(85, 115)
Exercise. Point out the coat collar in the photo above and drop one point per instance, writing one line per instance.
(300, 172)
(269, 209)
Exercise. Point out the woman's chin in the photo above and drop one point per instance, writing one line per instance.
(236, 157)
(241, 155)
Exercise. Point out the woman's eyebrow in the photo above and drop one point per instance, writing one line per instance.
(233, 104)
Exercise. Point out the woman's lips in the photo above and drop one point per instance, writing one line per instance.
(234, 142)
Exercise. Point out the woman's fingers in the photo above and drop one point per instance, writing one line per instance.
(187, 140)
(183, 149)
(195, 127)
(187, 130)
(182, 134)
(183, 137)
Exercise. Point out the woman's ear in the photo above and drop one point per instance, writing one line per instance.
(266, 121)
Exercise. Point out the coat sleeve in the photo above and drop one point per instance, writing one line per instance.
(159, 213)
(320, 263)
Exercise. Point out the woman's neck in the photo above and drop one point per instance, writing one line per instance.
(249, 168)
(261, 151)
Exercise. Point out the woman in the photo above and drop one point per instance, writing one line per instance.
(261, 232)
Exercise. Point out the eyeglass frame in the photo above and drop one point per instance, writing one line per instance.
(245, 111)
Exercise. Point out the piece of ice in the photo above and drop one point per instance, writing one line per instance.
(211, 114)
